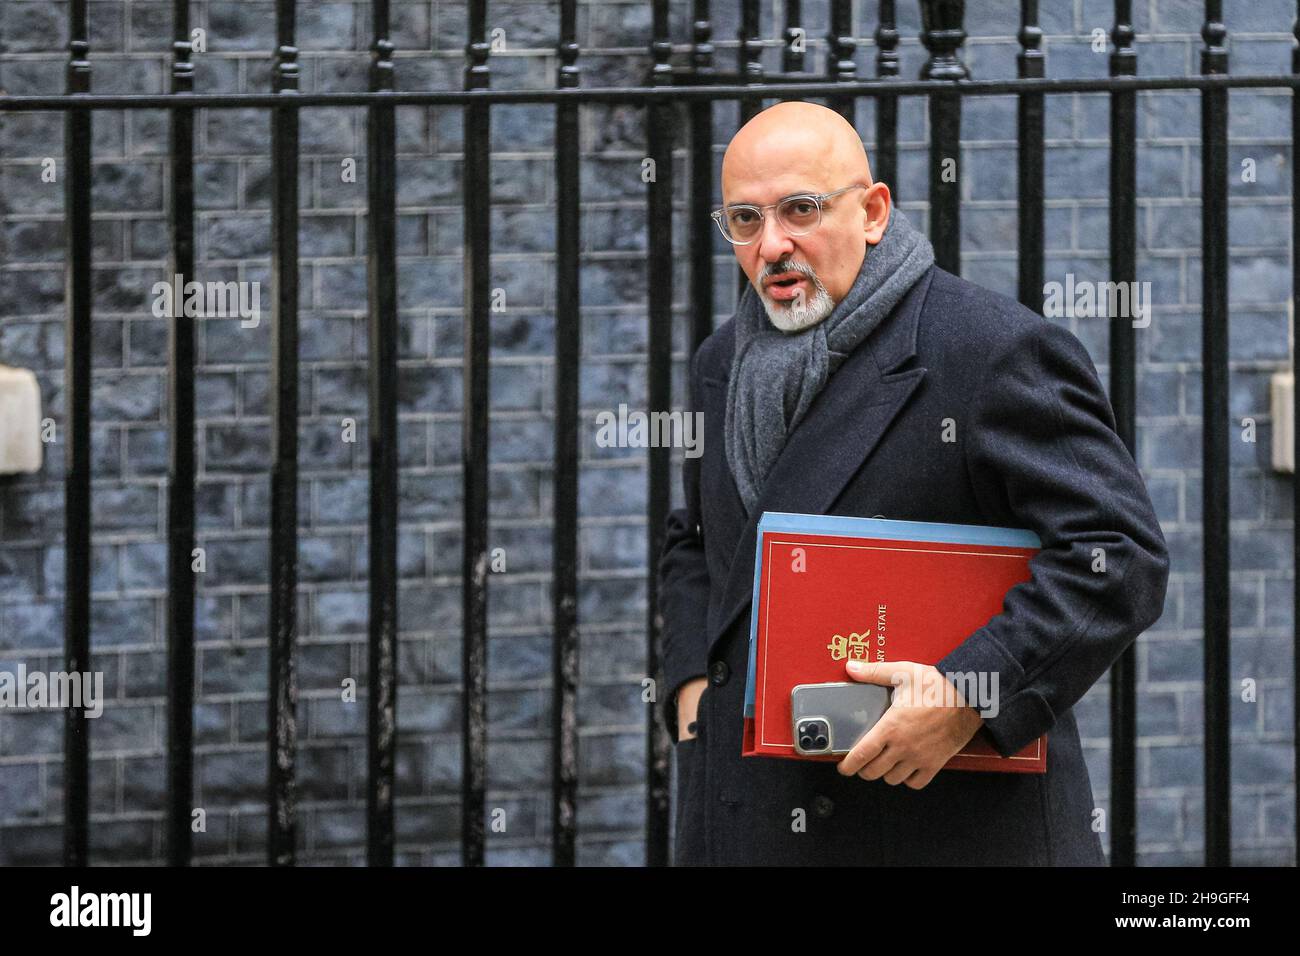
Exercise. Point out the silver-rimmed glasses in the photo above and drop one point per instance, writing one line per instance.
(798, 215)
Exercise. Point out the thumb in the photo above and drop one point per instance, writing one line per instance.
(869, 672)
(885, 673)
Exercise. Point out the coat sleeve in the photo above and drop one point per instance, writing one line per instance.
(684, 588)
(1042, 453)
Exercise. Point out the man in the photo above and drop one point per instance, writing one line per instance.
(857, 378)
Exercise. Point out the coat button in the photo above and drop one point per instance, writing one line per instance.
(823, 806)
(719, 673)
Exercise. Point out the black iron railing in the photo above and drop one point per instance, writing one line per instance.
(944, 83)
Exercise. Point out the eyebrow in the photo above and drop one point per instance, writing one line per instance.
(802, 192)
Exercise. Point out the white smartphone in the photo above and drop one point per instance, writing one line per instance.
(831, 718)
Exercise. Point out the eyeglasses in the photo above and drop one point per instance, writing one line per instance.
(798, 215)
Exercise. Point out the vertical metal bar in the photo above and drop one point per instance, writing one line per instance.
(942, 34)
(282, 722)
(1214, 359)
(1295, 413)
(568, 355)
(1029, 120)
(886, 158)
(181, 472)
(659, 146)
(792, 54)
(381, 268)
(474, 441)
(840, 64)
(1123, 397)
(750, 55)
(77, 363)
(701, 163)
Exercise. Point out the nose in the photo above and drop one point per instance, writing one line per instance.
(774, 242)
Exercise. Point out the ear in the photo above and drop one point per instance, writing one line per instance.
(876, 209)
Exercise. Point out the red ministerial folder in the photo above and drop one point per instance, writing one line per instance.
(829, 588)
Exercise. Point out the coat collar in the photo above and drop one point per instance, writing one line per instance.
(828, 446)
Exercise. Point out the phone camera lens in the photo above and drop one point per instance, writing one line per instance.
(813, 735)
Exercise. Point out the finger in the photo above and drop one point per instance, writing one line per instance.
(863, 752)
(862, 671)
(884, 762)
(920, 779)
(902, 770)
(887, 673)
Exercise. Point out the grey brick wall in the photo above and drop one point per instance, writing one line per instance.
(129, 47)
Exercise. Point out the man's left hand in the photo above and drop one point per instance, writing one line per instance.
(919, 732)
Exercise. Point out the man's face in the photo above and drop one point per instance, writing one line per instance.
(799, 279)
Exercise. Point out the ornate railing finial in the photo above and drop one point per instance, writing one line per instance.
(942, 34)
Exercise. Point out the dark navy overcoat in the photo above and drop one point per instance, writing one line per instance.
(1035, 447)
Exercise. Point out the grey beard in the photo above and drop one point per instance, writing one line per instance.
(790, 318)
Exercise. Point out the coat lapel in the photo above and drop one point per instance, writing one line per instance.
(828, 446)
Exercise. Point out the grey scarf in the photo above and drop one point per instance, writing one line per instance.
(776, 375)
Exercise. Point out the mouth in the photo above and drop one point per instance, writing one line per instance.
(785, 285)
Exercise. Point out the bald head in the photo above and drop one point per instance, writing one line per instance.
(795, 138)
(793, 149)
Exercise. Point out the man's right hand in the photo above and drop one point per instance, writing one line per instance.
(688, 703)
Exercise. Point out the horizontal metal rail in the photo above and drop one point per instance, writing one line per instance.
(644, 94)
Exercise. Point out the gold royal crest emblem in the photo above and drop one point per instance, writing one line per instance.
(854, 646)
